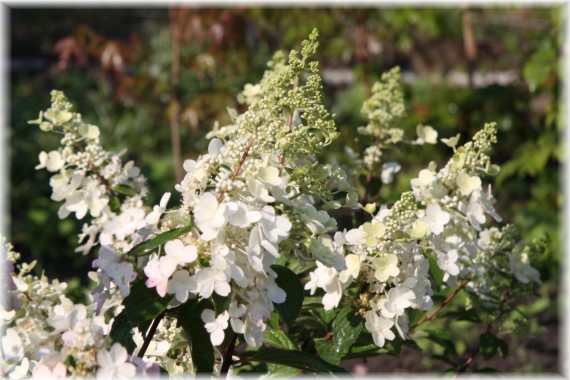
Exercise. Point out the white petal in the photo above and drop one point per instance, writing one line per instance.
(208, 316)
(217, 337)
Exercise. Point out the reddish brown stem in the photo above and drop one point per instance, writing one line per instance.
(242, 159)
(438, 309)
(289, 125)
(471, 358)
(103, 180)
(240, 163)
(227, 361)
(150, 334)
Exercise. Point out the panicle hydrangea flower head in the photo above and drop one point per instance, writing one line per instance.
(258, 197)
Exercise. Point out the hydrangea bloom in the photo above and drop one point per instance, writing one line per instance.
(257, 200)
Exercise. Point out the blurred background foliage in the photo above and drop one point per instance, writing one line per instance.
(156, 80)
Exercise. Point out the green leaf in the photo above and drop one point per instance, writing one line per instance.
(445, 359)
(539, 67)
(115, 204)
(503, 348)
(443, 340)
(273, 321)
(121, 332)
(347, 326)
(144, 304)
(414, 315)
(314, 323)
(435, 272)
(462, 315)
(220, 303)
(279, 339)
(291, 358)
(490, 345)
(125, 190)
(289, 282)
(412, 344)
(281, 371)
(146, 246)
(361, 351)
(189, 317)
(327, 350)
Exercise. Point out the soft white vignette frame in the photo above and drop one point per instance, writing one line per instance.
(564, 354)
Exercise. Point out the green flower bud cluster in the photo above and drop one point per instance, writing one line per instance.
(286, 116)
(401, 214)
(7, 251)
(286, 120)
(384, 108)
(473, 156)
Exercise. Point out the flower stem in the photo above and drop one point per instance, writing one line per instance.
(438, 309)
(150, 334)
(227, 361)
(471, 358)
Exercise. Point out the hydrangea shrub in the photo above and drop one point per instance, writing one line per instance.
(250, 272)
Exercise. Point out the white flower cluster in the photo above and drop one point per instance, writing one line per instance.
(45, 335)
(258, 198)
(441, 217)
(245, 204)
(89, 179)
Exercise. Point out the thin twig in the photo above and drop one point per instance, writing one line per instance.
(150, 334)
(101, 179)
(471, 358)
(228, 355)
(242, 159)
(240, 163)
(289, 124)
(438, 309)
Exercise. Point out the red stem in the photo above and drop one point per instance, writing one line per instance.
(471, 358)
(438, 309)
(150, 334)
(227, 361)
(240, 163)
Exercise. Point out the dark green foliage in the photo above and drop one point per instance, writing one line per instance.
(121, 332)
(490, 345)
(189, 317)
(144, 304)
(291, 358)
(147, 246)
(289, 282)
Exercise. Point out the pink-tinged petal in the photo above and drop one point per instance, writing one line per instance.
(161, 288)
(151, 269)
(167, 266)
